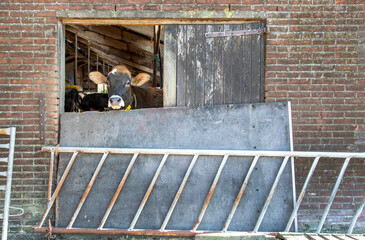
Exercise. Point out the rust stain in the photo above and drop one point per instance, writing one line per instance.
(205, 206)
(301, 198)
(240, 196)
(4, 131)
(270, 197)
(120, 231)
(114, 199)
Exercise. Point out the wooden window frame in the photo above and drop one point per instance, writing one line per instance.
(146, 18)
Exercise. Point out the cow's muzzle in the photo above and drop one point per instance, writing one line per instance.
(116, 102)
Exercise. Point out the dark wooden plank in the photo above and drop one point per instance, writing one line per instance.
(200, 65)
(181, 66)
(209, 73)
(218, 67)
(237, 66)
(255, 65)
(169, 71)
(246, 77)
(227, 54)
(262, 64)
(191, 51)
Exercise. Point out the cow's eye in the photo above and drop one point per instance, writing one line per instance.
(128, 83)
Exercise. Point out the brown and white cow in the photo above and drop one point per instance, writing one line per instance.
(123, 94)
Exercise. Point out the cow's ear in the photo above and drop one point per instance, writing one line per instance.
(141, 79)
(97, 77)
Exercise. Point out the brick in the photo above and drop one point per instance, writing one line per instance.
(104, 7)
(150, 8)
(172, 7)
(58, 7)
(138, 1)
(126, 7)
(80, 7)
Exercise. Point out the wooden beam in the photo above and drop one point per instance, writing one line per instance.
(76, 79)
(156, 43)
(128, 51)
(169, 78)
(145, 30)
(113, 36)
(71, 57)
(97, 38)
(141, 64)
(61, 49)
(166, 21)
(117, 60)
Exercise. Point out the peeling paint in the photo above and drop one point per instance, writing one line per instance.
(199, 68)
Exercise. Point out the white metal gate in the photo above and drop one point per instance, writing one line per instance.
(195, 154)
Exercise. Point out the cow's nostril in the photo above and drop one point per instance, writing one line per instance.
(116, 102)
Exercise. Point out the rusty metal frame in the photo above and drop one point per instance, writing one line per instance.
(195, 153)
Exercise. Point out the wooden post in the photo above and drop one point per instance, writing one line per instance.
(169, 97)
(97, 62)
(104, 67)
(88, 64)
(62, 65)
(76, 82)
(155, 53)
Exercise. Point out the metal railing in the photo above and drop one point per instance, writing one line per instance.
(225, 154)
(11, 131)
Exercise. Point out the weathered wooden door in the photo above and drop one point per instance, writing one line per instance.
(214, 64)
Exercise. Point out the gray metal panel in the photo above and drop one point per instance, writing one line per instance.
(251, 127)
(247, 126)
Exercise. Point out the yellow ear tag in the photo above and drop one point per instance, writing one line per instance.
(128, 108)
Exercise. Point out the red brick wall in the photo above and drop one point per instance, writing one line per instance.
(315, 59)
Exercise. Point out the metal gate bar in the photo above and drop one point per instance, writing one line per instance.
(51, 163)
(11, 132)
(211, 191)
(88, 188)
(334, 191)
(196, 153)
(158, 171)
(117, 192)
(239, 196)
(58, 188)
(301, 195)
(354, 219)
(178, 194)
(271, 194)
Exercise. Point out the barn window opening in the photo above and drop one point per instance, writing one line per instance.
(90, 48)
(194, 64)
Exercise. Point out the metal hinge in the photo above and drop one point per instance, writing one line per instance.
(230, 33)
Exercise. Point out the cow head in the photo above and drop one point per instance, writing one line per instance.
(119, 86)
